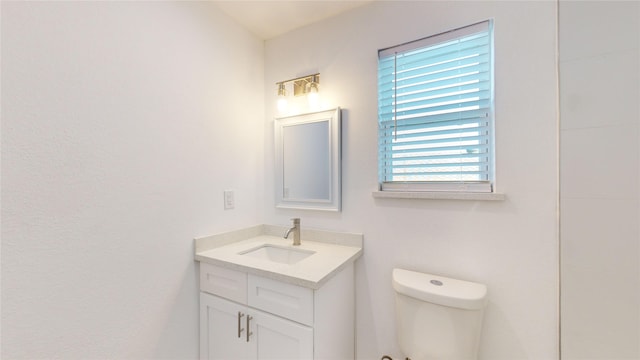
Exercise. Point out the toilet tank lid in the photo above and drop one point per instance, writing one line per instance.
(440, 290)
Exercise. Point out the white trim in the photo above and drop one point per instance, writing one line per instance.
(438, 186)
(440, 195)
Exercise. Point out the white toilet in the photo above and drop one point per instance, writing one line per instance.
(438, 318)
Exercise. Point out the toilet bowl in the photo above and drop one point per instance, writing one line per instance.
(438, 318)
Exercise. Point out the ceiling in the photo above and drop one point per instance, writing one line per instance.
(268, 19)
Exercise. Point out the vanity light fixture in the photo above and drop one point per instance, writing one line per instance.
(305, 85)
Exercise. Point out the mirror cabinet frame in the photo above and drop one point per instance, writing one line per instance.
(333, 201)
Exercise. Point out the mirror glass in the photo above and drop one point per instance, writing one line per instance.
(308, 161)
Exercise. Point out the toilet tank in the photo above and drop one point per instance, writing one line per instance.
(438, 317)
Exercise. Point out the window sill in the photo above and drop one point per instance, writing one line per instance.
(438, 195)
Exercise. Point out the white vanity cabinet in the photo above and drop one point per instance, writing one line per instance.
(245, 316)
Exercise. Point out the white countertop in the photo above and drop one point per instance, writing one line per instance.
(312, 272)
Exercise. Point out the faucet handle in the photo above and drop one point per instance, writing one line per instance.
(296, 221)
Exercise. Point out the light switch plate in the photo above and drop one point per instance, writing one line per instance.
(229, 201)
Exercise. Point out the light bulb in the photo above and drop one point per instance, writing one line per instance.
(313, 96)
(282, 98)
(282, 104)
(313, 99)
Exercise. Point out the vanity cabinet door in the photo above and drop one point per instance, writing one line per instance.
(223, 333)
(222, 329)
(280, 339)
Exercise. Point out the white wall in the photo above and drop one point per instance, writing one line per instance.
(122, 124)
(600, 182)
(511, 246)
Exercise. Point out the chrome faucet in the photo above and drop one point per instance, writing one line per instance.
(296, 231)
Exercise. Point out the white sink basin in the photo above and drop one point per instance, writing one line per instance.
(283, 255)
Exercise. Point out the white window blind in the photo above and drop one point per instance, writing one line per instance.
(435, 112)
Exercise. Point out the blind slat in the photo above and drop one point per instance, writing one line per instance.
(474, 96)
(441, 157)
(438, 91)
(446, 126)
(408, 67)
(389, 95)
(416, 146)
(427, 173)
(445, 77)
(436, 149)
(435, 110)
(444, 137)
(436, 120)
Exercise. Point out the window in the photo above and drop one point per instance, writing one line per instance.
(435, 112)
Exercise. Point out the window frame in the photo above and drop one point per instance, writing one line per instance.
(452, 186)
